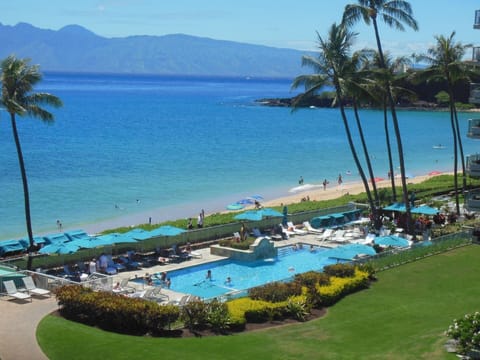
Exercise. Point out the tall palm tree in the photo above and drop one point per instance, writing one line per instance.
(445, 59)
(18, 79)
(391, 74)
(333, 67)
(394, 13)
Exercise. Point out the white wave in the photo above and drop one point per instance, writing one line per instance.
(305, 187)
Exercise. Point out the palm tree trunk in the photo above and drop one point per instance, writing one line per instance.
(354, 154)
(389, 152)
(26, 196)
(455, 158)
(365, 151)
(460, 148)
(397, 132)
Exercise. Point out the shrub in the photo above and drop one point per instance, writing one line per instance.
(113, 312)
(297, 308)
(340, 270)
(312, 278)
(275, 292)
(339, 287)
(195, 315)
(466, 331)
(218, 317)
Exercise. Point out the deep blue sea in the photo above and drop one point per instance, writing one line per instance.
(124, 148)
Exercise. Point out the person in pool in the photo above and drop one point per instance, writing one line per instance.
(228, 281)
(209, 275)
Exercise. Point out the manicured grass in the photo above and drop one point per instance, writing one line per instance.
(402, 316)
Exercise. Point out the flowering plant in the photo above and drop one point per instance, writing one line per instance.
(466, 331)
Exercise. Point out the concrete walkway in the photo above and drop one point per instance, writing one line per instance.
(18, 326)
(19, 319)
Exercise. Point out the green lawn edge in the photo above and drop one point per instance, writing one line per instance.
(402, 316)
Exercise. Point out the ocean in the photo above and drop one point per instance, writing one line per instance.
(126, 148)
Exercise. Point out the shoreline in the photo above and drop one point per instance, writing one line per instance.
(314, 192)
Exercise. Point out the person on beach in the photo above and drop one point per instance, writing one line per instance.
(300, 181)
(340, 180)
(325, 183)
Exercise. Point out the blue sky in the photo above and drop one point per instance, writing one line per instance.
(279, 23)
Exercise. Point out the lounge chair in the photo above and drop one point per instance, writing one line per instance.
(258, 234)
(339, 236)
(287, 231)
(326, 235)
(311, 229)
(156, 295)
(295, 230)
(33, 289)
(183, 300)
(125, 288)
(14, 293)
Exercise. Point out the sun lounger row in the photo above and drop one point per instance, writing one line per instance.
(29, 290)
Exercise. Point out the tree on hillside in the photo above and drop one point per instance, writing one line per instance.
(394, 13)
(333, 67)
(18, 79)
(445, 59)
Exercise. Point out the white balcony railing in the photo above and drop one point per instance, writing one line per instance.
(474, 128)
(473, 165)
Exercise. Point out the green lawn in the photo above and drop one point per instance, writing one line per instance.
(402, 316)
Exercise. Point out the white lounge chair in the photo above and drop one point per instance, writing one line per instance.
(287, 231)
(339, 236)
(326, 235)
(311, 229)
(297, 231)
(14, 293)
(125, 288)
(33, 289)
(156, 295)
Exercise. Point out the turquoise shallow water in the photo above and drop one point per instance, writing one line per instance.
(178, 145)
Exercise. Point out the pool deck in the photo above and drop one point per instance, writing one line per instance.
(19, 320)
(206, 257)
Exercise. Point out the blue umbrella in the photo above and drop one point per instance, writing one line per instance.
(166, 230)
(235, 206)
(256, 197)
(391, 240)
(427, 210)
(270, 213)
(90, 243)
(116, 238)
(249, 215)
(59, 248)
(246, 201)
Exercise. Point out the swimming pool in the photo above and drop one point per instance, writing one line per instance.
(245, 275)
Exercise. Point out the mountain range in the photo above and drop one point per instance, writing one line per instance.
(76, 49)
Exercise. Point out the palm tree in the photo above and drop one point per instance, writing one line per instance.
(18, 79)
(333, 66)
(445, 59)
(394, 13)
(379, 79)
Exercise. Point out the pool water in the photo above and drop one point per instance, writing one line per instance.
(245, 275)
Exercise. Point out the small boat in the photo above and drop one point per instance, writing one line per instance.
(438, 147)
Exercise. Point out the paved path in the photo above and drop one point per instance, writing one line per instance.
(18, 326)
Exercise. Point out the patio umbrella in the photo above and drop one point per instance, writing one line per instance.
(391, 240)
(426, 210)
(116, 238)
(90, 243)
(235, 206)
(256, 197)
(249, 215)
(396, 207)
(59, 248)
(246, 201)
(268, 212)
(166, 230)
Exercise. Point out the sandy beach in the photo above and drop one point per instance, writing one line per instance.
(314, 192)
(334, 191)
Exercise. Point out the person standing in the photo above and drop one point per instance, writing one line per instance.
(325, 183)
(200, 221)
(300, 181)
(340, 180)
